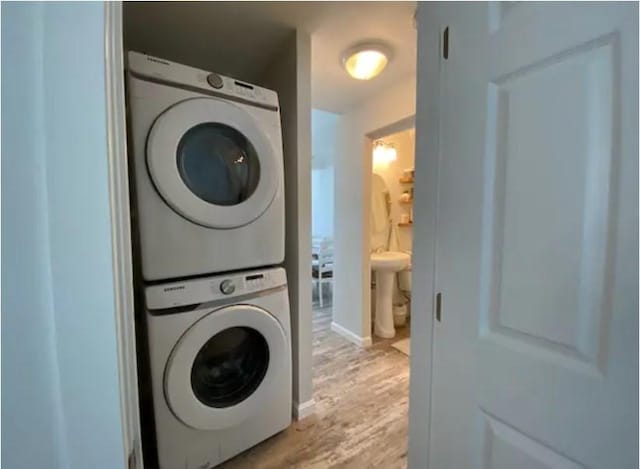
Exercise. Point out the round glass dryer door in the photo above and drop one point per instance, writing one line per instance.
(225, 366)
(212, 164)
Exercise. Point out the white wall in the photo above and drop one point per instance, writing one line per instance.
(60, 397)
(322, 197)
(31, 404)
(324, 138)
(324, 135)
(404, 143)
(290, 76)
(353, 200)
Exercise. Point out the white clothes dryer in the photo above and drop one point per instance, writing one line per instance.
(208, 166)
(220, 357)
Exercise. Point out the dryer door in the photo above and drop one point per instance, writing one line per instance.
(227, 365)
(211, 162)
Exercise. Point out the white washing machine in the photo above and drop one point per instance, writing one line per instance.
(220, 357)
(208, 164)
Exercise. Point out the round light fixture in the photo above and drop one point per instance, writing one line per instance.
(366, 61)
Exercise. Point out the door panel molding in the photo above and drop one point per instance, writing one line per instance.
(582, 346)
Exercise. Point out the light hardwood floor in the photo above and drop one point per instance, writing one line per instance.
(361, 416)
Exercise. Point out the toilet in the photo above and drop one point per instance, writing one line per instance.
(404, 280)
(400, 313)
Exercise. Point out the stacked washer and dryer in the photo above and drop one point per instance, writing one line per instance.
(209, 198)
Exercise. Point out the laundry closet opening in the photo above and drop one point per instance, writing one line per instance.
(251, 230)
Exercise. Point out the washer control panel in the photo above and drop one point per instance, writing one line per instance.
(227, 287)
(204, 290)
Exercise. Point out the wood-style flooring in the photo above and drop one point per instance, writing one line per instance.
(361, 416)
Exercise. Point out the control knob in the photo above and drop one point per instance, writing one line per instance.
(215, 80)
(227, 287)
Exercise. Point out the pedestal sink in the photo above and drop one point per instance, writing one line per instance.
(385, 264)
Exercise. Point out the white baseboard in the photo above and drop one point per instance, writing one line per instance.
(304, 410)
(350, 336)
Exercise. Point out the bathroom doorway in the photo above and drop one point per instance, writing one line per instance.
(391, 231)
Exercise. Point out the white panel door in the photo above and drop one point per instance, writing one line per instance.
(535, 359)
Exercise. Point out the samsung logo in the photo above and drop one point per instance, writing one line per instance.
(151, 59)
(179, 287)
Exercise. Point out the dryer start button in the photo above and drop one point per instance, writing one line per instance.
(215, 80)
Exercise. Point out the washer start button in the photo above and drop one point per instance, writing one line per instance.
(227, 287)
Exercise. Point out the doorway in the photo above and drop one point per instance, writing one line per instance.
(391, 231)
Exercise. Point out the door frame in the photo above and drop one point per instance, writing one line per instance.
(424, 262)
(122, 261)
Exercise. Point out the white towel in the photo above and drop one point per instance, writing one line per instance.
(379, 215)
(394, 242)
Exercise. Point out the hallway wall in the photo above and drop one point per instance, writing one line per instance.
(290, 75)
(324, 134)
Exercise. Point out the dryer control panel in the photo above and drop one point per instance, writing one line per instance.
(204, 290)
(195, 79)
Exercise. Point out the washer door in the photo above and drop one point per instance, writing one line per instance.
(225, 366)
(211, 163)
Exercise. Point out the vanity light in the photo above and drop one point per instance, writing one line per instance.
(379, 153)
(383, 154)
(366, 61)
(391, 153)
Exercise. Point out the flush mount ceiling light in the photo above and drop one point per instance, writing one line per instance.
(366, 61)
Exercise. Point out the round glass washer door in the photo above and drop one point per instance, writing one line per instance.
(225, 367)
(212, 164)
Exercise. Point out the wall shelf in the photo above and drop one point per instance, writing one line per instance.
(406, 224)
(404, 180)
(405, 202)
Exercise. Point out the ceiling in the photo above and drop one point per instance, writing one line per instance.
(241, 38)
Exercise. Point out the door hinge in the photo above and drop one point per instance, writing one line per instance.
(439, 307)
(445, 43)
